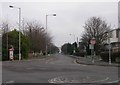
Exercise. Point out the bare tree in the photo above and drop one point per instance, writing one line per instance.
(5, 30)
(97, 28)
(5, 27)
(37, 36)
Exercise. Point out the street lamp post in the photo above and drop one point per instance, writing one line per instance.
(46, 31)
(19, 29)
(109, 48)
(74, 41)
(109, 44)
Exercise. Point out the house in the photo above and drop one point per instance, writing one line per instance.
(113, 39)
(115, 35)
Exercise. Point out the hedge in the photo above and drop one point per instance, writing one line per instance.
(115, 56)
(81, 54)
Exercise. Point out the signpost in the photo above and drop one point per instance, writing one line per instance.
(11, 54)
(93, 41)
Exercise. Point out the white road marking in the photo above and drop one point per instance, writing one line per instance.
(12, 81)
(61, 79)
(101, 80)
(116, 81)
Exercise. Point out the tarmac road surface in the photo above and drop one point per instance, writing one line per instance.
(56, 69)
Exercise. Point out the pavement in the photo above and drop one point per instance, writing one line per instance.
(97, 61)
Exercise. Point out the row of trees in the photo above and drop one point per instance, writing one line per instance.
(96, 28)
(73, 49)
(33, 39)
(67, 48)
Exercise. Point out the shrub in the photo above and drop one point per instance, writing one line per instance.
(4, 55)
(81, 54)
(13, 40)
(104, 56)
(115, 56)
(117, 60)
(16, 56)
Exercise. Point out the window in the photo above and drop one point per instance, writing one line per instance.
(117, 33)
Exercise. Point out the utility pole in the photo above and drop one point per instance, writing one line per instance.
(19, 9)
(109, 48)
(73, 42)
(7, 40)
(46, 31)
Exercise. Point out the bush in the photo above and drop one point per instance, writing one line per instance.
(81, 54)
(16, 56)
(13, 40)
(104, 56)
(4, 55)
(115, 56)
(117, 60)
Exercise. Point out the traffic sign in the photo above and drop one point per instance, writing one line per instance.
(91, 46)
(93, 41)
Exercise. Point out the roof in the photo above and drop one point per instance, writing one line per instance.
(115, 29)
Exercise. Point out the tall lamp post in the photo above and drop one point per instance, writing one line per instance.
(46, 30)
(109, 48)
(109, 44)
(74, 41)
(19, 29)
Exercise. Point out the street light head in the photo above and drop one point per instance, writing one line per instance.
(54, 14)
(11, 6)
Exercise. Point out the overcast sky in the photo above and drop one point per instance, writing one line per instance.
(70, 18)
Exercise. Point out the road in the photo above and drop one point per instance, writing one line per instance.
(57, 69)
